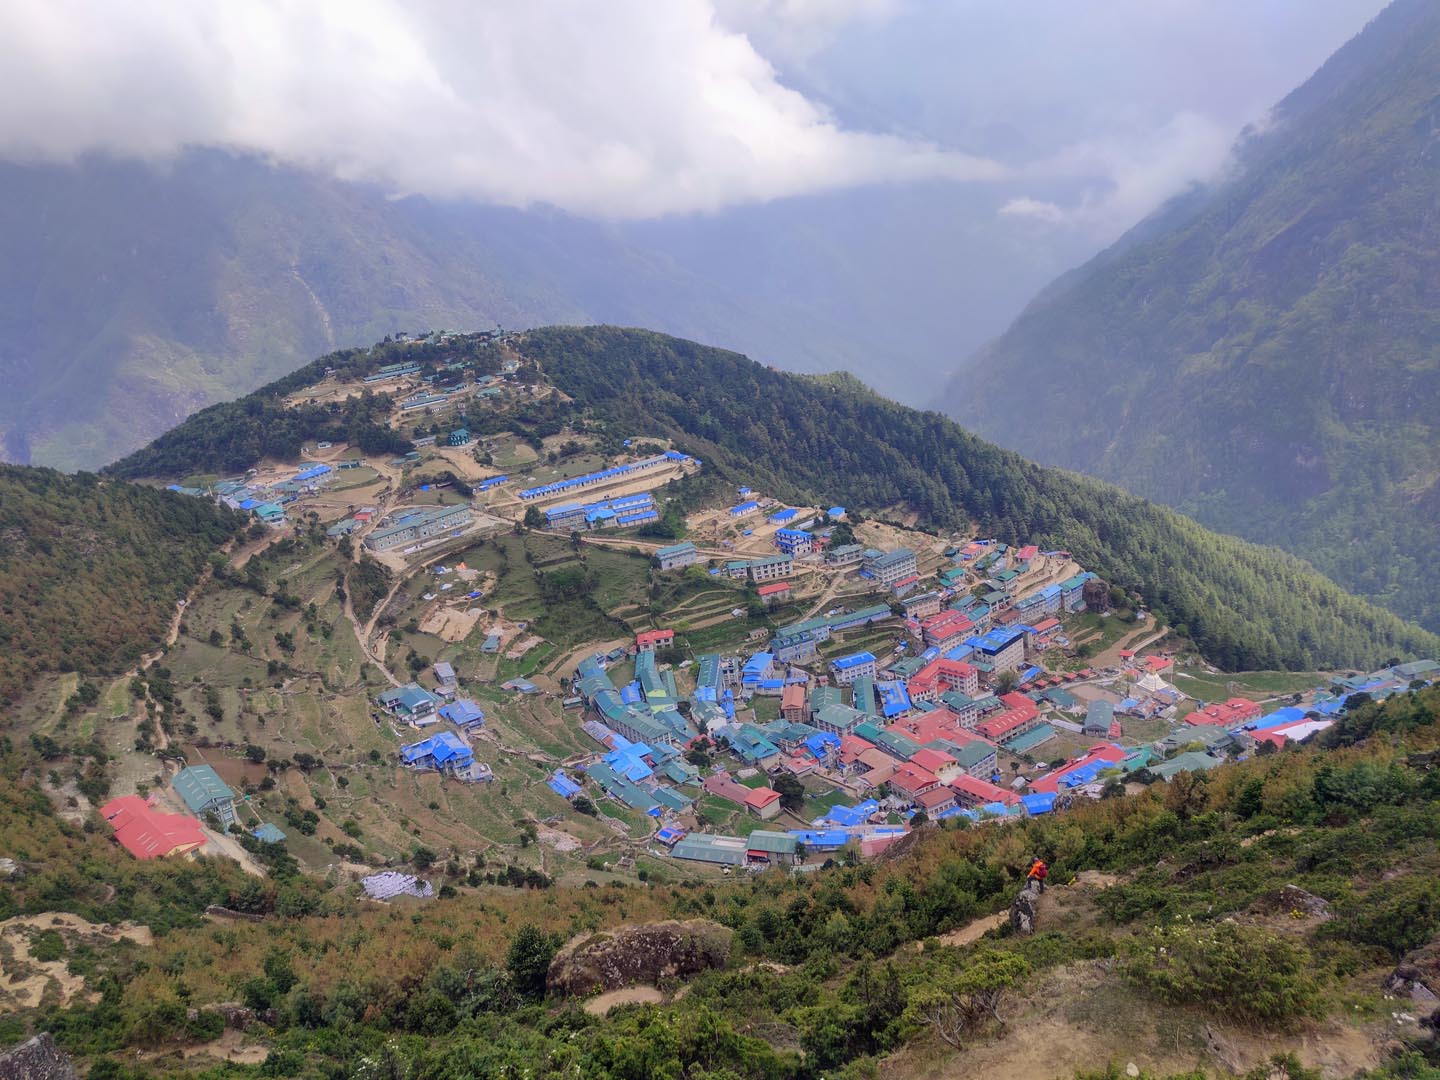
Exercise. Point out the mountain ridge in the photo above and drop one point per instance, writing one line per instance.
(1263, 353)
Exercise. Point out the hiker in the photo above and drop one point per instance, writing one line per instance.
(1038, 873)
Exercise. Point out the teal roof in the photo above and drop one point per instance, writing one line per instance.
(200, 786)
(1192, 761)
(1023, 744)
(972, 753)
(703, 847)
(864, 690)
(772, 843)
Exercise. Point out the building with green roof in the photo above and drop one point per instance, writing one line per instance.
(710, 848)
(775, 847)
(204, 793)
(1035, 737)
(1190, 761)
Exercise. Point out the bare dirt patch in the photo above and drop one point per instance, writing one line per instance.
(450, 623)
(518, 650)
(237, 772)
(560, 841)
(231, 1046)
(25, 980)
(973, 931)
(601, 1004)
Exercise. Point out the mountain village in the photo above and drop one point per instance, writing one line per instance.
(876, 678)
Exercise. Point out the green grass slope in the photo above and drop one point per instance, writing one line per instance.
(1265, 353)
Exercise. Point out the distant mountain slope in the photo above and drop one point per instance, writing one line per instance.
(132, 296)
(1265, 354)
(90, 571)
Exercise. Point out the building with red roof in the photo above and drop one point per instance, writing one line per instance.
(929, 727)
(1157, 664)
(905, 584)
(852, 746)
(792, 702)
(973, 791)
(912, 781)
(940, 676)
(650, 640)
(946, 630)
(1028, 552)
(935, 761)
(148, 833)
(763, 803)
(726, 788)
(1227, 714)
(1046, 627)
(774, 592)
(935, 800)
(1020, 716)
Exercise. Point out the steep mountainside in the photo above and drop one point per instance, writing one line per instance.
(1265, 354)
(90, 571)
(131, 296)
(825, 439)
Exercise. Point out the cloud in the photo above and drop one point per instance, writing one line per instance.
(1034, 209)
(1124, 175)
(795, 30)
(613, 109)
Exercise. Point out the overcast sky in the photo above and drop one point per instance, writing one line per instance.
(1078, 114)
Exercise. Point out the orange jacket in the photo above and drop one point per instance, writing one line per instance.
(1039, 870)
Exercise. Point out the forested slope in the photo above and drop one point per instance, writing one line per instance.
(90, 570)
(828, 439)
(1265, 353)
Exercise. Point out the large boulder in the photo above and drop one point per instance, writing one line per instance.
(1024, 910)
(594, 963)
(1417, 976)
(37, 1059)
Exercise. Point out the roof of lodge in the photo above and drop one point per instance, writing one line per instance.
(148, 833)
(199, 786)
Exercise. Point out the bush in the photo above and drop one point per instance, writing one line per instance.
(1397, 915)
(1241, 972)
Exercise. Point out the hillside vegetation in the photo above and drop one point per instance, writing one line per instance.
(828, 439)
(90, 571)
(1264, 901)
(1265, 353)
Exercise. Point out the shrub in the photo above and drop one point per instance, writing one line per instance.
(1397, 915)
(1241, 972)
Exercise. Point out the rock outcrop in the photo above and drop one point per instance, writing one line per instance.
(628, 955)
(1024, 909)
(37, 1059)
(1417, 976)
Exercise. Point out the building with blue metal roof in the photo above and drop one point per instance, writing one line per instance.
(855, 666)
(562, 785)
(267, 833)
(444, 751)
(463, 712)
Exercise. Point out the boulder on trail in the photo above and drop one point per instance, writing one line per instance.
(1024, 910)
